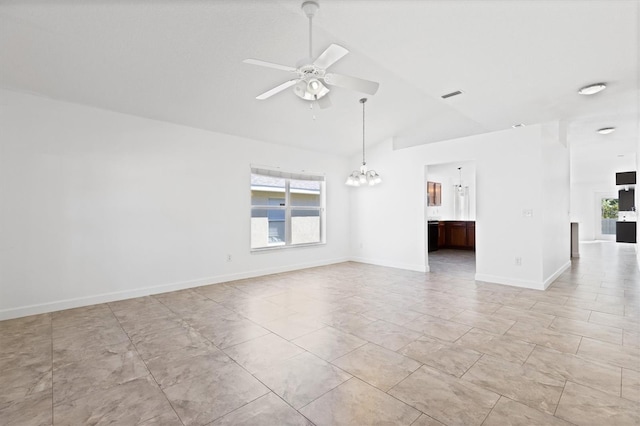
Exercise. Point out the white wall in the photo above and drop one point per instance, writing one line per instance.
(555, 202)
(582, 202)
(100, 206)
(388, 220)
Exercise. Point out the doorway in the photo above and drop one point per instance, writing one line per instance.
(450, 217)
(607, 206)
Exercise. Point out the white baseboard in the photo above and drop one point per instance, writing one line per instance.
(496, 279)
(535, 285)
(77, 302)
(556, 274)
(391, 264)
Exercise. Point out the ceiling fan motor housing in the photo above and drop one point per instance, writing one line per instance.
(312, 76)
(310, 8)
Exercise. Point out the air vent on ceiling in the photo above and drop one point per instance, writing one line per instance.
(449, 95)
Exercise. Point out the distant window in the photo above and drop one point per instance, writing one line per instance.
(287, 209)
(609, 216)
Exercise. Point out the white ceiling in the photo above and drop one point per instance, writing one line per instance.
(181, 61)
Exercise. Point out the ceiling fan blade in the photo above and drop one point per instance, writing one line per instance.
(330, 56)
(353, 83)
(324, 102)
(269, 65)
(277, 89)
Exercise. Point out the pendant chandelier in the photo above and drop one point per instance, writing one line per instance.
(363, 176)
(459, 187)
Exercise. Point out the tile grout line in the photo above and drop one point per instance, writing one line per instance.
(324, 393)
(509, 329)
(472, 365)
(535, 346)
(232, 360)
(621, 374)
(255, 377)
(560, 399)
(579, 344)
(492, 408)
(145, 365)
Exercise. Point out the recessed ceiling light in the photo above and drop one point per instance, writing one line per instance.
(606, 130)
(592, 89)
(620, 155)
(515, 126)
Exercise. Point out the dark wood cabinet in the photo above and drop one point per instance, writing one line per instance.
(441, 235)
(625, 232)
(627, 200)
(457, 234)
(626, 178)
(433, 235)
(471, 235)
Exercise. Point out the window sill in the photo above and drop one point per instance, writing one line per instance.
(285, 247)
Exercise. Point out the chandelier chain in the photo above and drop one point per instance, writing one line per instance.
(363, 159)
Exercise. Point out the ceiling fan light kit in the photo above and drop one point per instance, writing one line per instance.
(310, 90)
(310, 83)
(363, 176)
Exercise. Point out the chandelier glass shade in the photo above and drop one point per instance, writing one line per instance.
(310, 89)
(363, 176)
(459, 187)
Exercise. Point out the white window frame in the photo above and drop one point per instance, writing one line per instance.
(288, 208)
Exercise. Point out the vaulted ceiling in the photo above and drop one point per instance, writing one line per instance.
(181, 61)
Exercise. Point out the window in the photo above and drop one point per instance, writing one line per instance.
(434, 194)
(287, 209)
(609, 216)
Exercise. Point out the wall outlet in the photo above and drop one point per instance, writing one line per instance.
(518, 261)
(228, 258)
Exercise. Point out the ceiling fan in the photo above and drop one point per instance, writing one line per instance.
(311, 77)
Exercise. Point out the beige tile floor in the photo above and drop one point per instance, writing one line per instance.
(348, 344)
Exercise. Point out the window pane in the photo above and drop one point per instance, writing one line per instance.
(286, 208)
(264, 188)
(276, 214)
(609, 217)
(305, 193)
(267, 227)
(305, 226)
